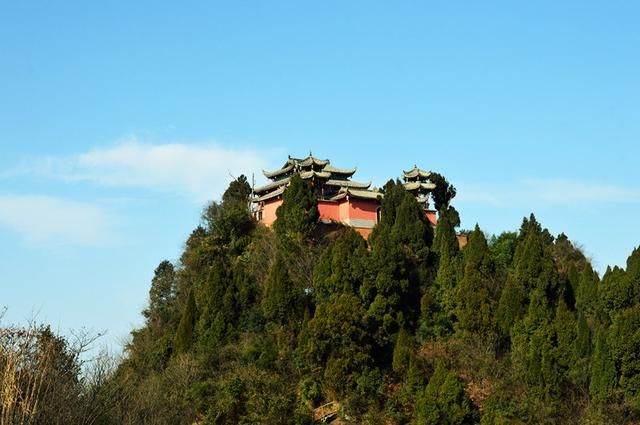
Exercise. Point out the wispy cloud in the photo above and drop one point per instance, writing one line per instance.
(555, 191)
(50, 220)
(200, 171)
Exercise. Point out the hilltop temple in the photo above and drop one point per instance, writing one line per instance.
(340, 199)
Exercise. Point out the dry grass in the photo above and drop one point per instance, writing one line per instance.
(24, 365)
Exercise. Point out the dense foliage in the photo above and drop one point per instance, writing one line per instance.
(257, 326)
(254, 325)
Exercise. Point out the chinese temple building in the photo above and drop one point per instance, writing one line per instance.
(340, 199)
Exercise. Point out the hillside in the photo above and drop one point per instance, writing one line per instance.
(293, 324)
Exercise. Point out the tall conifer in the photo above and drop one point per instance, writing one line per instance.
(184, 336)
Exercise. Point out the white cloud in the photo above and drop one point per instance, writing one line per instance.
(50, 220)
(553, 191)
(201, 171)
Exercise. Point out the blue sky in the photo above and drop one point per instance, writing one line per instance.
(119, 120)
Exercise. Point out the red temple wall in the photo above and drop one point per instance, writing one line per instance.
(358, 213)
(269, 211)
(329, 210)
(363, 209)
(344, 209)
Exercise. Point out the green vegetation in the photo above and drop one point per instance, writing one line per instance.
(261, 326)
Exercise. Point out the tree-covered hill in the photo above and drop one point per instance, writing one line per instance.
(264, 326)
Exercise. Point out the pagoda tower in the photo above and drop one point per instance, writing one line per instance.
(417, 182)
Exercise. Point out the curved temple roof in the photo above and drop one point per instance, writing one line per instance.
(410, 186)
(295, 163)
(348, 183)
(416, 172)
(309, 174)
(336, 180)
(310, 160)
(273, 185)
(365, 194)
(275, 173)
(270, 195)
(333, 170)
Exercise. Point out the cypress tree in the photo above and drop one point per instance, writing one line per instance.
(533, 268)
(280, 302)
(341, 266)
(161, 295)
(444, 401)
(399, 258)
(338, 341)
(443, 193)
(184, 335)
(587, 293)
(565, 330)
(580, 367)
(603, 369)
(298, 214)
(476, 294)
(439, 301)
(623, 339)
(402, 352)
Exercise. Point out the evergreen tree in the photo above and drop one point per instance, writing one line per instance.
(281, 301)
(477, 292)
(502, 251)
(398, 263)
(444, 401)
(298, 214)
(161, 295)
(565, 325)
(438, 304)
(339, 342)
(341, 267)
(402, 352)
(533, 268)
(184, 336)
(620, 289)
(603, 370)
(583, 348)
(587, 293)
(443, 193)
(237, 194)
(216, 301)
(624, 343)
